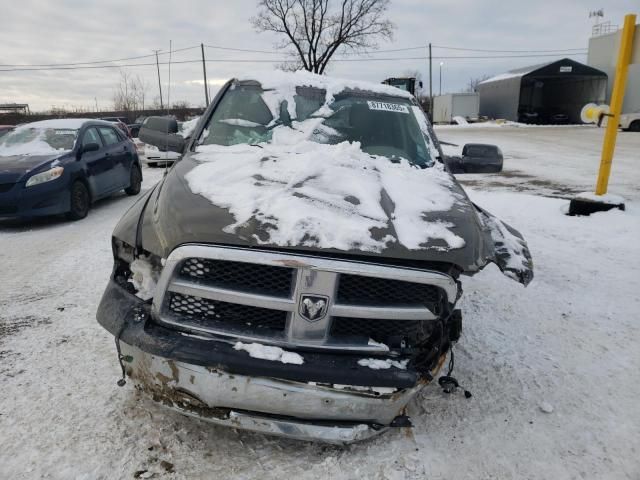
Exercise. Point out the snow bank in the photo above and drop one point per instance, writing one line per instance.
(293, 187)
(264, 352)
(378, 364)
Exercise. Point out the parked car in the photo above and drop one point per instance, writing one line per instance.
(630, 122)
(155, 157)
(4, 129)
(121, 123)
(160, 156)
(296, 273)
(63, 166)
(478, 158)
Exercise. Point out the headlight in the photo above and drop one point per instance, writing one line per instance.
(47, 176)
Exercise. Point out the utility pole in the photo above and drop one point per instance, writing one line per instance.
(441, 63)
(430, 88)
(204, 71)
(159, 84)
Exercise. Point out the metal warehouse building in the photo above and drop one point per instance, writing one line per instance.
(559, 87)
(603, 54)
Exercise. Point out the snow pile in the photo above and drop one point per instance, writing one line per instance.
(187, 128)
(606, 198)
(278, 80)
(460, 120)
(378, 364)
(48, 137)
(144, 277)
(264, 352)
(294, 186)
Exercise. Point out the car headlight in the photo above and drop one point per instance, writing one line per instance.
(52, 174)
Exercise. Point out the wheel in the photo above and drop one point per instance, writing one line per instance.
(635, 126)
(80, 201)
(135, 181)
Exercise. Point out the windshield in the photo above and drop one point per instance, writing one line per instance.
(385, 126)
(26, 140)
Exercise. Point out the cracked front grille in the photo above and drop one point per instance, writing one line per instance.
(250, 277)
(299, 301)
(202, 311)
(393, 333)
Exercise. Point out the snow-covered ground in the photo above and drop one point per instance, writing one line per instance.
(558, 160)
(553, 368)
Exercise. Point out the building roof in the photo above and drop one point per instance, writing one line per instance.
(522, 71)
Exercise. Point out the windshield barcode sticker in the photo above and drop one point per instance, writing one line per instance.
(387, 107)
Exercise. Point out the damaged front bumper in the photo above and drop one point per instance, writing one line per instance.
(330, 398)
(303, 411)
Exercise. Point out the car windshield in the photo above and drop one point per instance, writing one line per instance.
(385, 126)
(26, 140)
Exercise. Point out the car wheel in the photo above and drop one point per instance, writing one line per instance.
(135, 182)
(635, 126)
(80, 201)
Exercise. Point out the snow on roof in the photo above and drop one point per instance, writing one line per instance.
(61, 123)
(277, 79)
(517, 72)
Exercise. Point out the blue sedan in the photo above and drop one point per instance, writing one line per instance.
(63, 166)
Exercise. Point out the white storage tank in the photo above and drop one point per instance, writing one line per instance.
(465, 105)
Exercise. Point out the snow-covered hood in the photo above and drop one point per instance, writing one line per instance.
(175, 215)
(13, 168)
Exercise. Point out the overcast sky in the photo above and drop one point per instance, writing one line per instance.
(65, 31)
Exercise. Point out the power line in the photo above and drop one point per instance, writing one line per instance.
(94, 62)
(281, 60)
(509, 51)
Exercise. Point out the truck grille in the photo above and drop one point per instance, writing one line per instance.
(197, 311)
(248, 277)
(359, 290)
(300, 301)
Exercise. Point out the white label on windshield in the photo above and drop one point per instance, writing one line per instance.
(64, 132)
(387, 107)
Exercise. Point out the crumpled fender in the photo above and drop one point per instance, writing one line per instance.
(511, 252)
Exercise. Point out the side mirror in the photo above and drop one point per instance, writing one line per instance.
(162, 132)
(89, 147)
(477, 158)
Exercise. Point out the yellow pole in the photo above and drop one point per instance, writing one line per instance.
(617, 95)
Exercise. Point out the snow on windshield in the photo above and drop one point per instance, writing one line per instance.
(48, 137)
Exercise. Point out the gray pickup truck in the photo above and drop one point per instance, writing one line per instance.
(296, 272)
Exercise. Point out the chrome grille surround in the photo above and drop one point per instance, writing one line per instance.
(312, 276)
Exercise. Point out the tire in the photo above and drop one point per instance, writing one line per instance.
(80, 201)
(634, 126)
(135, 181)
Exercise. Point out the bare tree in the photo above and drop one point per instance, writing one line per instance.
(314, 30)
(180, 104)
(472, 85)
(129, 95)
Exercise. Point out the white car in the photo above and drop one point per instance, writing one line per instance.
(630, 122)
(155, 158)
